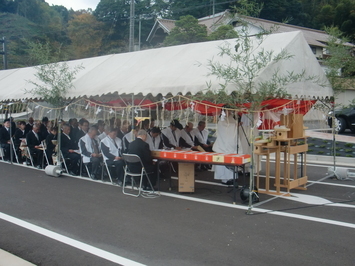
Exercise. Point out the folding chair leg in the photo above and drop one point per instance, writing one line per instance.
(14, 149)
(2, 154)
(30, 157)
(65, 164)
(132, 180)
(108, 172)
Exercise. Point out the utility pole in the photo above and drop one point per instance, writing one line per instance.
(4, 51)
(131, 28)
(213, 10)
(140, 32)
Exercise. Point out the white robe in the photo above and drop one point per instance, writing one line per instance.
(88, 145)
(156, 144)
(108, 142)
(226, 142)
(167, 132)
(187, 138)
(202, 136)
(102, 136)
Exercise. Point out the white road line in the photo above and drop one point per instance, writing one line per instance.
(266, 211)
(71, 242)
(322, 183)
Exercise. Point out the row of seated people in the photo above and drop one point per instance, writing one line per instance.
(78, 140)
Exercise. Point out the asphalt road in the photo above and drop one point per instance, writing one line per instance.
(170, 230)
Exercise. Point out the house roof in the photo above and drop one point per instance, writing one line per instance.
(166, 24)
(313, 37)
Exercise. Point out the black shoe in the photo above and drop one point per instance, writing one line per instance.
(71, 173)
(39, 167)
(120, 183)
(93, 177)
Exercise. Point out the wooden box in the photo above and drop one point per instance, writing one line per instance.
(281, 133)
(186, 177)
(295, 123)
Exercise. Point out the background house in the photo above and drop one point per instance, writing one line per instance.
(316, 39)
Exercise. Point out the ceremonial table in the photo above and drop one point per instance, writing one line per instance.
(187, 159)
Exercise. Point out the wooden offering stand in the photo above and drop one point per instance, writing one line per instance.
(289, 140)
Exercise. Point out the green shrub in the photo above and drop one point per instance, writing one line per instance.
(350, 145)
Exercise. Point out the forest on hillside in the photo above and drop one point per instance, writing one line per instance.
(74, 34)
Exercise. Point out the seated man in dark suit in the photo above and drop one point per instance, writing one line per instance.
(50, 146)
(29, 125)
(73, 122)
(68, 148)
(43, 129)
(141, 148)
(33, 139)
(5, 139)
(19, 137)
(89, 149)
(82, 130)
(111, 148)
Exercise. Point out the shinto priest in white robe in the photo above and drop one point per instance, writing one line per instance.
(226, 142)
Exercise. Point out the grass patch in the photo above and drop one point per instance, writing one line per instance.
(349, 155)
(320, 152)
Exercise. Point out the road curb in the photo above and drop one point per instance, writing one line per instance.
(10, 259)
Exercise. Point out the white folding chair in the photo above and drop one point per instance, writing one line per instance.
(86, 165)
(133, 158)
(64, 162)
(14, 149)
(108, 170)
(2, 154)
(44, 145)
(28, 154)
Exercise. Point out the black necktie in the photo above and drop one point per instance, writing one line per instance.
(153, 142)
(114, 142)
(174, 135)
(94, 146)
(188, 133)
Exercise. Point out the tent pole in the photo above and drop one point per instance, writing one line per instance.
(251, 177)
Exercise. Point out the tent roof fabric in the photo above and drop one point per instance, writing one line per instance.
(177, 70)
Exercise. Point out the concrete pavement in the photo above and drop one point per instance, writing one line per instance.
(7, 259)
(203, 228)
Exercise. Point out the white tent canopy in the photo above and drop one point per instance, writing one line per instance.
(177, 70)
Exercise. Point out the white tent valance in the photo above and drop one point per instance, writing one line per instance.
(177, 70)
